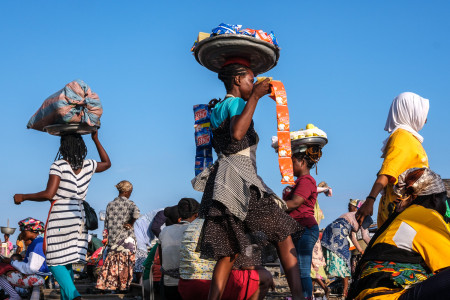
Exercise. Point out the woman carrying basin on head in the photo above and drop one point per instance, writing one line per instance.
(66, 237)
(236, 202)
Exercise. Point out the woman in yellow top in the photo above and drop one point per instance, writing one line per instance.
(401, 151)
(408, 259)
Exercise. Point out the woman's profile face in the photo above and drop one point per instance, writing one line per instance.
(246, 84)
(28, 235)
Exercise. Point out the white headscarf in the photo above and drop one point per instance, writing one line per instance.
(408, 111)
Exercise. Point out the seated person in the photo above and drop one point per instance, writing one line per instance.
(196, 273)
(158, 223)
(33, 269)
(408, 256)
(17, 257)
(20, 245)
(151, 276)
(171, 237)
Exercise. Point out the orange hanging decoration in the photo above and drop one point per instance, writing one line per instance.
(278, 93)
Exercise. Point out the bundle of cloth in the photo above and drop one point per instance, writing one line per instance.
(75, 103)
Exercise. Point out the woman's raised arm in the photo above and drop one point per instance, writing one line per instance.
(241, 123)
(104, 163)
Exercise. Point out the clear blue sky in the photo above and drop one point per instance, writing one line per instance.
(342, 63)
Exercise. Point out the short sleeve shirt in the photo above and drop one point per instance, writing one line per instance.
(403, 152)
(171, 237)
(228, 108)
(72, 186)
(305, 187)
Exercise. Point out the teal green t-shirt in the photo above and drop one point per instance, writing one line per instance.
(228, 108)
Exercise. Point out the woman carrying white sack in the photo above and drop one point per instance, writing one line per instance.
(401, 151)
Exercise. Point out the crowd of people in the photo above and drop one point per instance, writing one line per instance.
(215, 249)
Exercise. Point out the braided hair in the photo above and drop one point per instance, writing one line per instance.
(229, 72)
(311, 156)
(227, 75)
(73, 150)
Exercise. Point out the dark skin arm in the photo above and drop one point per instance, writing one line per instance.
(46, 195)
(241, 123)
(53, 180)
(130, 224)
(294, 203)
(367, 208)
(105, 162)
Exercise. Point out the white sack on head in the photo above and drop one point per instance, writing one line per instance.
(408, 111)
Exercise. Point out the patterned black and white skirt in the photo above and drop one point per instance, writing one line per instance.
(224, 235)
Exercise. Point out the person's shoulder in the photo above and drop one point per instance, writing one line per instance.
(228, 102)
(311, 179)
(194, 226)
(131, 203)
(36, 244)
(60, 163)
(307, 178)
(401, 136)
(165, 231)
(234, 101)
(197, 222)
(89, 163)
(348, 215)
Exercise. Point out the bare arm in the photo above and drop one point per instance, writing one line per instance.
(130, 224)
(367, 208)
(135, 215)
(295, 202)
(104, 163)
(322, 189)
(355, 242)
(241, 123)
(46, 195)
(365, 235)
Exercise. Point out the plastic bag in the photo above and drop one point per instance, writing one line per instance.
(75, 103)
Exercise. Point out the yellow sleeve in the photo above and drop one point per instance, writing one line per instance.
(399, 154)
(432, 242)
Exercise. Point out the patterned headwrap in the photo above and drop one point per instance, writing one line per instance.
(31, 224)
(354, 202)
(360, 203)
(124, 186)
(418, 182)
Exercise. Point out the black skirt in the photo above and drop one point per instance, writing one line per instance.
(224, 235)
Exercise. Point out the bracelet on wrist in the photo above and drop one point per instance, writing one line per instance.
(370, 197)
